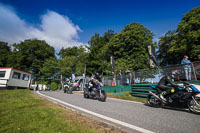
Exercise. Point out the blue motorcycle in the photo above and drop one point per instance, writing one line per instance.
(188, 94)
(95, 92)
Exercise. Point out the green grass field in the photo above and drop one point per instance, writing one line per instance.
(21, 111)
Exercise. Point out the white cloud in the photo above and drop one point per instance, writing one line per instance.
(57, 30)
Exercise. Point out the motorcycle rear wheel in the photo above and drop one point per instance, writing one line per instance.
(153, 101)
(193, 107)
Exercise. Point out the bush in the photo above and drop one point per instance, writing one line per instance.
(54, 86)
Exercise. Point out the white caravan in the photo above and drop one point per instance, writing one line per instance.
(11, 78)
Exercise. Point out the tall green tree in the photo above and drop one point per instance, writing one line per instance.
(129, 47)
(50, 69)
(163, 55)
(73, 60)
(185, 41)
(30, 55)
(5, 51)
(99, 55)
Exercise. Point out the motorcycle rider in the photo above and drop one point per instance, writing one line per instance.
(67, 83)
(163, 85)
(93, 83)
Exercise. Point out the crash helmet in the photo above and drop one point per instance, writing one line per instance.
(174, 74)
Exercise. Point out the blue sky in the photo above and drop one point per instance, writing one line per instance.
(82, 18)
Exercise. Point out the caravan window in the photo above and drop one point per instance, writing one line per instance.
(25, 77)
(2, 74)
(16, 75)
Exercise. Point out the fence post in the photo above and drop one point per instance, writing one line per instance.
(195, 76)
(134, 77)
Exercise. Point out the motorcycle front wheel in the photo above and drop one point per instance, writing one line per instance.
(193, 106)
(85, 95)
(69, 91)
(153, 101)
(103, 96)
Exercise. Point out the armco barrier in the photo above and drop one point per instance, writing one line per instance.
(142, 90)
(117, 89)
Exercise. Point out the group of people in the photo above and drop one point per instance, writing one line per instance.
(128, 77)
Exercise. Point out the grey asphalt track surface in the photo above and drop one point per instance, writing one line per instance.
(163, 120)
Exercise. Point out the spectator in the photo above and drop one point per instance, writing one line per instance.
(120, 76)
(187, 67)
(128, 76)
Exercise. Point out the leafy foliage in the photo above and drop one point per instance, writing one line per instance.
(129, 47)
(5, 51)
(50, 69)
(30, 55)
(164, 45)
(73, 60)
(183, 41)
(99, 56)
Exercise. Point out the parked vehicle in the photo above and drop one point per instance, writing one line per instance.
(77, 83)
(187, 95)
(95, 92)
(14, 78)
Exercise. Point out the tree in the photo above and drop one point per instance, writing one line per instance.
(129, 47)
(50, 69)
(188, 37)
(30, 55)
(5, 51)
(184, 41)
(163, 55)
(99, 55)
(73, 60)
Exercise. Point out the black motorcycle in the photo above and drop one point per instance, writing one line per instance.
(187, 95)
(96, 92)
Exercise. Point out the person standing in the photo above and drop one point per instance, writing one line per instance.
(187, 67)
(128, 77)
(120, 76)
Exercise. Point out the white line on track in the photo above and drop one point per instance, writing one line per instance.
(98, 115)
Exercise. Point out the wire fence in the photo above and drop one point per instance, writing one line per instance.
(185, 72)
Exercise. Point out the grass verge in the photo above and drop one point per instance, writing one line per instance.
(24, 112)
(125, 96)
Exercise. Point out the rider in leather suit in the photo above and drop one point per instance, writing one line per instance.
(164, 82)
(93, 82)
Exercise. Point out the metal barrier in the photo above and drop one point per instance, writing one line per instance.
(118, 88)
(151, 76)
(142, 90)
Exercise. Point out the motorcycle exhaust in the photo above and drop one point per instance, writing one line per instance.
(156, 96)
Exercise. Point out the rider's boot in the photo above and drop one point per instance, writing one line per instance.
(162, 94)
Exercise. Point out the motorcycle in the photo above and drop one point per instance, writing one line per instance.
(68, 88)
(96, 92)
(188, 95)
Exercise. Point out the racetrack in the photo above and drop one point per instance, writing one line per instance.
(133, 113)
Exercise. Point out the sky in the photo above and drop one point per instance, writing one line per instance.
(67, 23)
